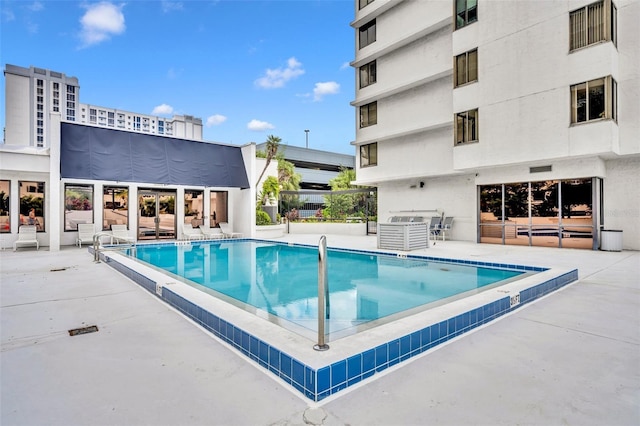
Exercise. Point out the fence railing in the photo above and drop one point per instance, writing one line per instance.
(350, 205)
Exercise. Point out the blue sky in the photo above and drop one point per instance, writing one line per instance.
(247, 68)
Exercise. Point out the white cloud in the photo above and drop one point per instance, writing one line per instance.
(275, 78)
(100, 22)
(36, 6)
(162, 109)
(345, 66)
(259, 126)
(215, 119)
(170, 6)
(326, 88)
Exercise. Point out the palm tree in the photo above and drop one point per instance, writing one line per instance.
(273, 142)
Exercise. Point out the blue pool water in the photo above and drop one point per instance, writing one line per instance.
(282, 280)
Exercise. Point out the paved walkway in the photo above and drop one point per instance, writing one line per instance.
(570, 358)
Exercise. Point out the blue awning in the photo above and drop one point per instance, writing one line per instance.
(95, 153)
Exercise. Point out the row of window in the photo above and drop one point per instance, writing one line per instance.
(78, 206)
(31, 210)
(592, 100)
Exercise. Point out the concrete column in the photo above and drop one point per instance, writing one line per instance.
(55, 202)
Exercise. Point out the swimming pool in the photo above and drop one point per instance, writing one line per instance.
(281, 280)
(354, 357)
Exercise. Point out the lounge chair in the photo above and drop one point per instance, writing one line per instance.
(191, 233)
(211, 233)
(120, 233)
(434, 226)
(228, 232)
(26, 237)
(446, 226)
(85, 233)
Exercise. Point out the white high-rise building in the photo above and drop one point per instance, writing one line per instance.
(32, 93)
(519, 119)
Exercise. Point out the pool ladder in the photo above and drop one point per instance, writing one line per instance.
(323, 294)
(98, 247)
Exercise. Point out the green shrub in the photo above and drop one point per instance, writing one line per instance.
(262, 218)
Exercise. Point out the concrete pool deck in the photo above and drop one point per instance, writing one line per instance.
(569, 358)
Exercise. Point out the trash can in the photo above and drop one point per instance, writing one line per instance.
(611, 240)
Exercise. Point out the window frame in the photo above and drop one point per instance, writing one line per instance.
(467, 79)
(465, 22)
(367, 30)
(25, 188)
(366, 113)
(364, 3)
(608, 21)
(114, 191)
(5, 206)
(466, 129)
(369, 70)
(69, 207)
(610, 100)
(370, 153)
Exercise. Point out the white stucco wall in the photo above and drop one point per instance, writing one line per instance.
(622, 200)
(453, 196)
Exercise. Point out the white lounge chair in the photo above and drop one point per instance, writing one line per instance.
(211, 233)
(445, 226)
(434, 227)
(120, 233)
(191, 233)
(26, 237)
(228, 232)
(85, 233)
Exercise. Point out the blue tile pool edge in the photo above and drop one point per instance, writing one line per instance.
(319, 383)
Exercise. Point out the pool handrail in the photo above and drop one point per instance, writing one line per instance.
(323, 293)
(97, 246)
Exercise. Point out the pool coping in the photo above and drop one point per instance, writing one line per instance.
(351, 359)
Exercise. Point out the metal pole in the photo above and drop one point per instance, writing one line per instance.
(323, 290)
(306, 138)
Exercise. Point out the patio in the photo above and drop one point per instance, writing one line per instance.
(570, 358)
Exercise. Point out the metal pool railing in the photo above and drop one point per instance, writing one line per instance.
(323, 293)
(98, 247)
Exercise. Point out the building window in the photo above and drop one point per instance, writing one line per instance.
(467, 125)
(466, 68)
(218, 207)
(466, 12)
(368, 74)
(5, 211)
(115, 206)
(592, 24)
(363, 3)
(32, 204)
(194, 207)
(369, 114)
(78, 205)
(369, 155)
(594, 100)
(367, 33)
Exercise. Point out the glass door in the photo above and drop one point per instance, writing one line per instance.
(156, 215)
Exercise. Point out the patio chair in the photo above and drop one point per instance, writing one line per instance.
(26, 237)
(228, 232)
(446, 226)
(211, 233)
(85, 234)
(120, 233)
(191, 233)
(434, 226)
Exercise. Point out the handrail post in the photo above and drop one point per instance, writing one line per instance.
(323, 293)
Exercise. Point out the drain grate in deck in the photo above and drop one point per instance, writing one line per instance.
(83, 330)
